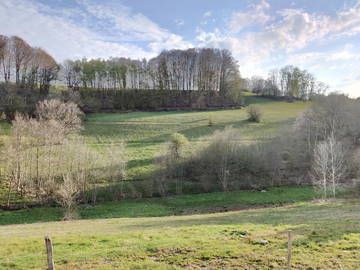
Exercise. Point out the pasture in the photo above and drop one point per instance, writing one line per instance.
(144, 132)
(326, 236)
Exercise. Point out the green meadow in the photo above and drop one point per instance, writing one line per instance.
(144, 132)
(326, 236)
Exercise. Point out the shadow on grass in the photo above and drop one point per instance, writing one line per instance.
(313, 220)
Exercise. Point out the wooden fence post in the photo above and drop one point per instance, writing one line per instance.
(289, 249)
(49, 251)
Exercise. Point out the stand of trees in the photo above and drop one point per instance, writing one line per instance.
(289, 81)
(25, 65)
(200, 69)
(203, 69)
(176, 79)
(45, 160)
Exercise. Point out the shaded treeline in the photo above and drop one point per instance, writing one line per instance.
(152, 99)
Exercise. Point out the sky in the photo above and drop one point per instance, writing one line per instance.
(322, 36)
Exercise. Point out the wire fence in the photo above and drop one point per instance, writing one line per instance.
(289, 256)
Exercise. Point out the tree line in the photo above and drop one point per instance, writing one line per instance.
(192, 69)
(25, 65)
(201, 69)
(289, 81)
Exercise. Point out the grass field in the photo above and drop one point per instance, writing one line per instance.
(176, 205)
(326, 236)
(144, 132)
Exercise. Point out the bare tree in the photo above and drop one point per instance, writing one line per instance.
(169, 162)
(22, 53)
(67, 195)
(329, 165)
(47, 164)
(6, 58)
(3, 41)
(46, 69)
(337, 162)
(68, 114)
(320, 168)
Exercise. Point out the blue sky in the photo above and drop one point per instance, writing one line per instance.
(322, 36)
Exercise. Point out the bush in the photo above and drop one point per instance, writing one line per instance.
(169, 162)
(210, 121)
(254, 114)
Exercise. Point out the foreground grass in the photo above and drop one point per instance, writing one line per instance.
(155, 207)
(327, 236)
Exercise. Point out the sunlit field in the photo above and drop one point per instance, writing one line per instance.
(144, 132)
(326, 236)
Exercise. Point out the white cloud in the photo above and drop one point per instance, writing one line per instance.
(281, 40)
(207, 14)
(241, 20)
(256, 16)
(135, 26)
(261, 6)
(171, 42)
(71, 33)
(294, 30)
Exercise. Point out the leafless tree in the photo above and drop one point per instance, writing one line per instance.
(22, 53)
(320, 167)
(47, 162)
(6, 58)
(169, 161)
(68, 114)
(3, 41)
(71, 71)
(67, 195)
(329, 165)
(47, 70)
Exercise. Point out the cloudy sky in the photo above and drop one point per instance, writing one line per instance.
(322, 36)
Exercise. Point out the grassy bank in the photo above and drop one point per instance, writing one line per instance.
(155, 207)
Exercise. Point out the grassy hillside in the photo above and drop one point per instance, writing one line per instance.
(326, 237)
(144, 132)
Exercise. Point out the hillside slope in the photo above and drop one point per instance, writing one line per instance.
(144, 132)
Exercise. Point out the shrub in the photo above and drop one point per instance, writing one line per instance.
(176, 145)
(254, 114)
(67, 115)
(169, 161)
(210, 121)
